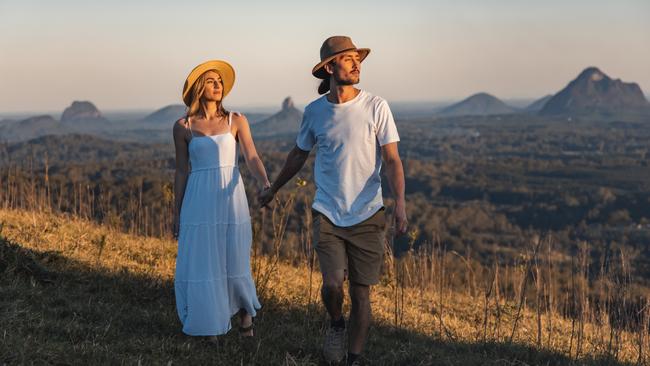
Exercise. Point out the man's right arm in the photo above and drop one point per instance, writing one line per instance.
(295, 161)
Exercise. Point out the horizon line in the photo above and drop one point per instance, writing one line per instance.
(435, 103)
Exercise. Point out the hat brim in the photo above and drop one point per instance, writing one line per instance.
(224, 69)
(319, 70)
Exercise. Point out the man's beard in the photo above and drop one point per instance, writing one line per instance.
(347, 81)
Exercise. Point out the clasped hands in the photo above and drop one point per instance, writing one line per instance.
(265, 196)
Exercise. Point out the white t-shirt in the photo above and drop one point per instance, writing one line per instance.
(348, 160)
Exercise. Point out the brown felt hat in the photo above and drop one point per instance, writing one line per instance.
(331, 48)
(224, 70)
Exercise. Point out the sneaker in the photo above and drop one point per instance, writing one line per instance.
(356, 362)
(334, 346)
(214, 340)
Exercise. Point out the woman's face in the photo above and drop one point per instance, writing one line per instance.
(213, 91)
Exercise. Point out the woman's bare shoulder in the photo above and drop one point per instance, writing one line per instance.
(181, 125)
(239, 119)
(182, 122)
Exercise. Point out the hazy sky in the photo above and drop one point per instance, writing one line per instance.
(123, 54)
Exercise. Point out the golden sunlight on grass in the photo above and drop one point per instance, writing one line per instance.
(74, 292)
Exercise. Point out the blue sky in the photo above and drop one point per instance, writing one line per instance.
(136, 54)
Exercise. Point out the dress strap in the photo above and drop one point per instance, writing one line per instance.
(189, 123)
(229, 119)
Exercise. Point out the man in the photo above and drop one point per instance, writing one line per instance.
(353, 131)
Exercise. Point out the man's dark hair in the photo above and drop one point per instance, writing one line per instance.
(324, 85)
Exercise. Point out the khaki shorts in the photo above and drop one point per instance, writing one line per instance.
(359, 249)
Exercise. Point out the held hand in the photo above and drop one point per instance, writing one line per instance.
(265, 197)
(401, 224)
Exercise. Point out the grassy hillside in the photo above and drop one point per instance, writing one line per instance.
(74, 292)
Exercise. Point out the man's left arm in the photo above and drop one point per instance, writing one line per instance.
(395, 175)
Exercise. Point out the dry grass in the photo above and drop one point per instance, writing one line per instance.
(73, 292)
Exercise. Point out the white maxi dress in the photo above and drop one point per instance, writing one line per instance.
(213, 275)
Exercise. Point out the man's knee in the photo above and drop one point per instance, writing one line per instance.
(334, 280)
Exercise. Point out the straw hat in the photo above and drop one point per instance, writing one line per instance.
(331, 48)
(224, 69)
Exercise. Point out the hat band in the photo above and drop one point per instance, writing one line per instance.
(338, 52)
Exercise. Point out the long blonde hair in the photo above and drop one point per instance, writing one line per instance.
(197, 91)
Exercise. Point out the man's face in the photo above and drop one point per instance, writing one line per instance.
(346, 68)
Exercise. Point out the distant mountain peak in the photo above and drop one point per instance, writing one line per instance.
(479, 104)
(592, 71)
(483, 95)
(166, 115)
(597, 76)
(593, 74)
(80, 110)
(593, 91)
(287, 103)
(29, 128)
(40, 118)
(285, 122)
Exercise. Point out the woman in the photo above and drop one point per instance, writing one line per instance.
(211, 219)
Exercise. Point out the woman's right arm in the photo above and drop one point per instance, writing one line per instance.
(182, 171)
